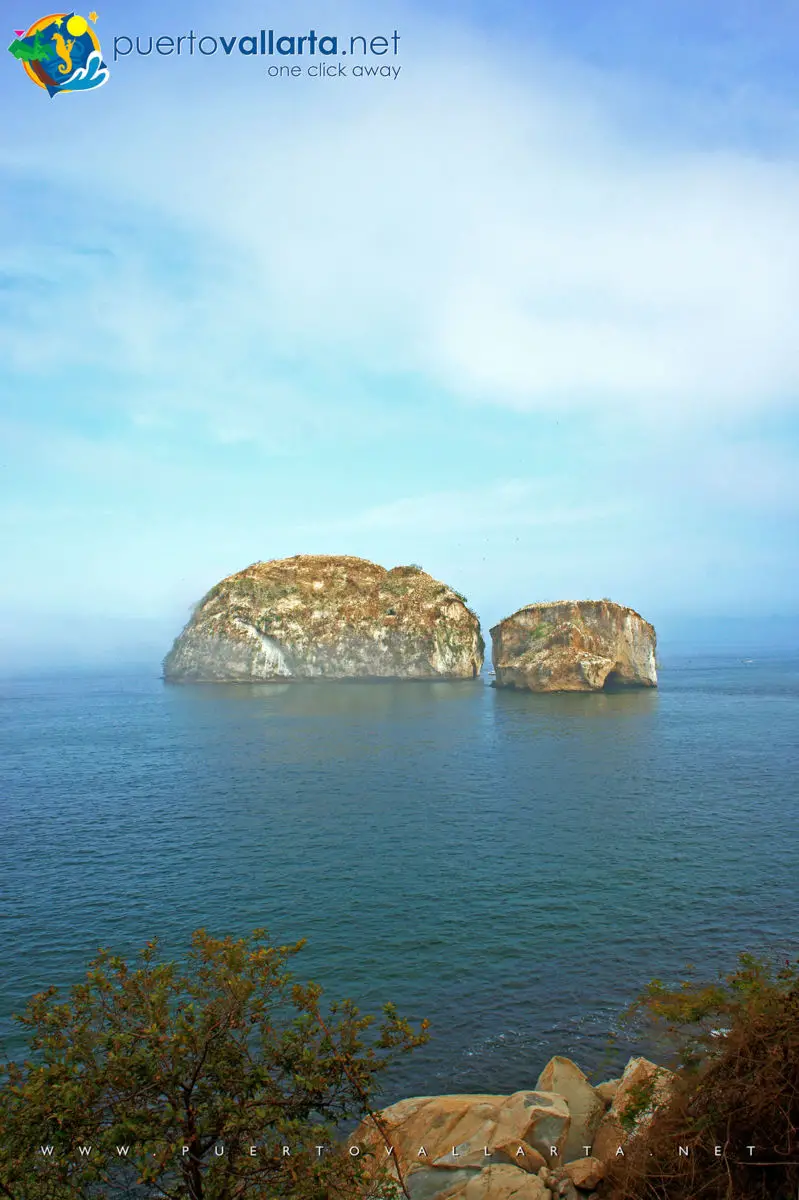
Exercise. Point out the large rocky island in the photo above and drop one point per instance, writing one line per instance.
(320, 616)
(574, 646)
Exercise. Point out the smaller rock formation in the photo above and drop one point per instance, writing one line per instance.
(574, 646)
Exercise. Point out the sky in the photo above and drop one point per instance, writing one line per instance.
(525, 314)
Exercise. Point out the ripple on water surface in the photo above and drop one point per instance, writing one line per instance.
(511, 866)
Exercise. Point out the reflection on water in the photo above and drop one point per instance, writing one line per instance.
(577, 707)
(394, 700)
(328, 698)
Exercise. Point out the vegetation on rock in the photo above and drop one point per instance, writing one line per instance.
(737, 1086)
(574, 646)
(327, 617)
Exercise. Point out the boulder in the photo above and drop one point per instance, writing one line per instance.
(642, 1090)
(497, 1183)
(585, 1173)
(327, 617)
(574, 646)
(426, 1184)
(438, 1138)
(565, 1078)
(609, 1138)
(529, 1159)
(607, 1090)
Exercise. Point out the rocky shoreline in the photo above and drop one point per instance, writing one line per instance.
(556, 1140)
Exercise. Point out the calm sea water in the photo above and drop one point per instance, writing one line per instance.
(513, 867)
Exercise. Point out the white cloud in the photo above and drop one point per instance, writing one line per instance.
(509, 239)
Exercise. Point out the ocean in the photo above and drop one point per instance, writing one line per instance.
(513, 867)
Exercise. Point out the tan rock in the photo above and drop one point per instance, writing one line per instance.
(574, 646)
(518, 1154)
(497, 1183)
(432, 1184)
(317, 616)
(609, 1138)
(448, 1134)
(548, 1120)
(643, 1088)
(607, 1090)
(585, 1173)
(565, 1078)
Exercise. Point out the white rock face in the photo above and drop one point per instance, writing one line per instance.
(327, 617)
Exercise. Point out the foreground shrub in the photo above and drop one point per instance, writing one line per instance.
(737, 1087)
(188, 1081)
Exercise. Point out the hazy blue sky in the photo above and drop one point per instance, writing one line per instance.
(526, 315)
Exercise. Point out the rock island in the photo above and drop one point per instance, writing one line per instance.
(574, 646)
(318, 616)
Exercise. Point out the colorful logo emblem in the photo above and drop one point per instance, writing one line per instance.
(61, 53)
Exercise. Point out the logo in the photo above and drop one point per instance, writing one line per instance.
(61, 53)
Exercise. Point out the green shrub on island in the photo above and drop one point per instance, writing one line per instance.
(730, 1130)
(213, 1079)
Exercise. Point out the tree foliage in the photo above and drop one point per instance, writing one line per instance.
(169, 1080)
